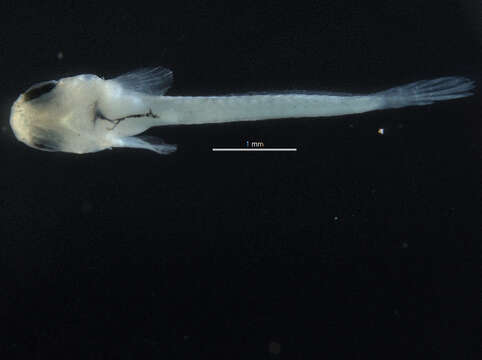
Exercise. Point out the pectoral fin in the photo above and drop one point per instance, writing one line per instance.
(151, 81)
(147, 142)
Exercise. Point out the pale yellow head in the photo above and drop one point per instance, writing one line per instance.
(59, 115)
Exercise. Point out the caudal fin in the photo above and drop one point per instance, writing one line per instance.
(426, 92)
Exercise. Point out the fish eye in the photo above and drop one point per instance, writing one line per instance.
(47, 140)
(39, 89)
(44, 147)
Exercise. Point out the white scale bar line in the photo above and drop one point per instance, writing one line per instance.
(255, 149)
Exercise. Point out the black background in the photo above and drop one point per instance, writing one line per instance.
(357, 245)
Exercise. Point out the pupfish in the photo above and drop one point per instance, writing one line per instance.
(86, 113)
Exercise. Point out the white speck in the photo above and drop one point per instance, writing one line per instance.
(404, 245)
(381, 131)
(274, 348)
(86, 207)
(60, 55)
(335, 218)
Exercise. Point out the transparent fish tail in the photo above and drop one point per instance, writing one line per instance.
(426, 92)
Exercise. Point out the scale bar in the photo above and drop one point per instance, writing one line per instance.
(255, 149)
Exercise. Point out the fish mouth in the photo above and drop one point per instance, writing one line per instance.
(29, 134)
(17, 120)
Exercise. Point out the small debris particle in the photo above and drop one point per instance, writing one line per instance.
(274, 348)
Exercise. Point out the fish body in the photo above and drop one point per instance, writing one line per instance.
(86, 113)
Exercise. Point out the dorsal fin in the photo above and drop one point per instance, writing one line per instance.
(151, 81)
